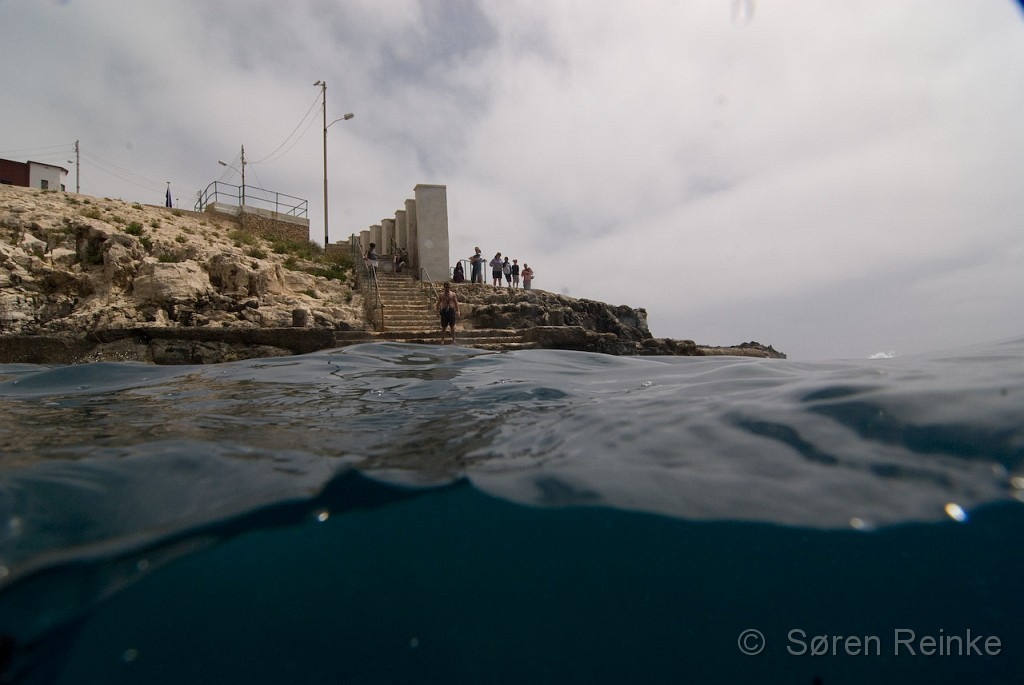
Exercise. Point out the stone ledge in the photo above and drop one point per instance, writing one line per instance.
(174, 345)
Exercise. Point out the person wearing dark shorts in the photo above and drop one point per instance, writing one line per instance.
(448, 308)
(496, 270)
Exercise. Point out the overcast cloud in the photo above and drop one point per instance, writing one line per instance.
(834, 178)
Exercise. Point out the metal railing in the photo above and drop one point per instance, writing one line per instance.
(428, 285)
(369, 287)
(251, 196)
(467, 271)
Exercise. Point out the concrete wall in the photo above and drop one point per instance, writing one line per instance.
(264, 223)
(275, 229)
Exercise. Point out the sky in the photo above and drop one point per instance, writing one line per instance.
(837, 179)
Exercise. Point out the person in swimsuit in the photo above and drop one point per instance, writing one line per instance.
(448, 308)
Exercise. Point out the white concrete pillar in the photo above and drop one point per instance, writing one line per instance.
(432, 230)
(364, 241)
(401, 229)
(375, 237)
(414, 252)
(387, 236)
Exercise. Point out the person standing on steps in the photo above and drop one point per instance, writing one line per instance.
(527, 276)
(506, 269)
(371, 259)
(515, 273)
(448, 308)
(477, 272)
(496, 270)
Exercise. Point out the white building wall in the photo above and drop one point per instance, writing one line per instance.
(46, 176)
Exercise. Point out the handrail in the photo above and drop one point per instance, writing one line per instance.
(425, 283)
(253, 196)
(378, 303)
(369, 286)
(467, 268)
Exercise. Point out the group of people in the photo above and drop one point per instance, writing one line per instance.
(500, 268)
(401, 259)
(447, 301)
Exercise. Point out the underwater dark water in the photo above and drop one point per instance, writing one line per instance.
(391, 513)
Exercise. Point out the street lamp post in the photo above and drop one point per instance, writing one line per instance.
(222, 163)
(349, 115)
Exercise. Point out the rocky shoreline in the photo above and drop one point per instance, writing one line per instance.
(87, 279)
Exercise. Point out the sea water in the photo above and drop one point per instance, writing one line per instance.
(423, 514)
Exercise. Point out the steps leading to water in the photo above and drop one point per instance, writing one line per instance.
(409, 317)
(483, 338)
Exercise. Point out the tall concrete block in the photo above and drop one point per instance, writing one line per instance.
(364, 241)
(387, 236)
(432, 229)
(375, 235)
(414, 251)
(401, 229)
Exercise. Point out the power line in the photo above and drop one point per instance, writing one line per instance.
(121, 173)
(51, 150)
(308, 115)
(230, 169)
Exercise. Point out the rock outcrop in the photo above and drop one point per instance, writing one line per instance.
(71, 264)
(556, 321)
(89, 279)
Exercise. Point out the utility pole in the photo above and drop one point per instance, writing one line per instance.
(243, 176)
(346, 117)
(78, 168)
(323, 96)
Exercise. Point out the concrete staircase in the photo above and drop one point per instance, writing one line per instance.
(410, 317)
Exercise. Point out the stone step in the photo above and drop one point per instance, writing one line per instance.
(393, 317)
(497, 333)
(498, 339)
(413, 308)
(490, 344)
(409, 316)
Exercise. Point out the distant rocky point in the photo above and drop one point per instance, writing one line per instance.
(88, 279)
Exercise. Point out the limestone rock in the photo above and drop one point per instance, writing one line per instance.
(121, 261)
(162, 284)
